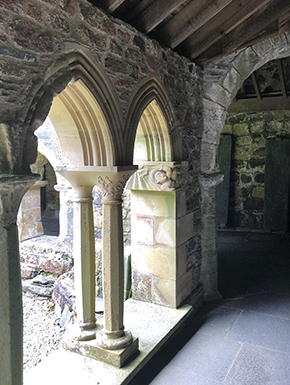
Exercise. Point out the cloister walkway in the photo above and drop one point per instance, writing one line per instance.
(244, 338)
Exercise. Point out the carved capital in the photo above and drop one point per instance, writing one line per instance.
(112, 187)
(165, 176)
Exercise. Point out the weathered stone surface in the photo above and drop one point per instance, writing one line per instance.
(29, 271)
(40, 285)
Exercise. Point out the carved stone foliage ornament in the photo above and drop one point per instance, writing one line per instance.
(167, 176)
(110, 189)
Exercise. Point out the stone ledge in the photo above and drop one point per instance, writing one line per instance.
(152, 324)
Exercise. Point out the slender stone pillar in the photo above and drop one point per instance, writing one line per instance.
(113, 344)
(113, 336)
(84, 262)
(12, 189)
(84, 255)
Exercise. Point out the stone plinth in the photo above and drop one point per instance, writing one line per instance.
(161, 228)
(29, 215)
(93, 350)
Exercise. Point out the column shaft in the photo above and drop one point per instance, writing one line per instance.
(113, 265)
(84, 260)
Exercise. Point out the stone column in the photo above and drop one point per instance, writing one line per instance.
(113, 345)
(84, 267)
(113, 336)
(209, 265)
(12, 189)
(84, 255)
(65, 209)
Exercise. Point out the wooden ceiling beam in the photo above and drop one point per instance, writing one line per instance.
(109, 5)
(213, 31)
(282, 78)
(256, 85)
(154, 14)
(254, 104)
(253, 25)
(189, 19)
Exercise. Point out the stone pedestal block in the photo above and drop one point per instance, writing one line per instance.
(161, 229)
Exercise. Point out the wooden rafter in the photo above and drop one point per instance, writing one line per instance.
(282, 78)
(252, 26)
(256, 85)
(234, 14)
(109, 5)
(154, 14)
(190, 19)
(203, 29)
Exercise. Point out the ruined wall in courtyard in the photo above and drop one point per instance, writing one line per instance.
(249, 133)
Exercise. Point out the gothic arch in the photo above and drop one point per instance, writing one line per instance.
(150, 104)
(222, 80)
(77, 87)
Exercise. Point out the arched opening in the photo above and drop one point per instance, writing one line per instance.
(256, 134)
(228, 82)
(81, 127)
(76, 134)
(152, 143)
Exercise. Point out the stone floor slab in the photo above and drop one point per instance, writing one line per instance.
(218, 322)
(262, 330)
(206, 356)
(152, 324)
(255, 365)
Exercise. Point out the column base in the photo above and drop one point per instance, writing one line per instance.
(78, 333)
(93, 350)
(114, 340)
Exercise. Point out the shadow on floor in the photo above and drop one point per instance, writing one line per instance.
(244, 338)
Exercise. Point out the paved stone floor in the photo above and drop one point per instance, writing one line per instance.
(243, 339)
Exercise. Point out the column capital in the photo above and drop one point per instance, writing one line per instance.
(160, 176)
(110, 179)
(12, 189)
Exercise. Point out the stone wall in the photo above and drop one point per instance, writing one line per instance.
(250, 132)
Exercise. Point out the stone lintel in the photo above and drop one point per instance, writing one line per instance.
(93, 350)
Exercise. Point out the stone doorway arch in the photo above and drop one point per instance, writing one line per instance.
(222, 80)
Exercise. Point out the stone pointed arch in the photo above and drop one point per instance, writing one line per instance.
(150, 101)
(222, 80)
(78, 82)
